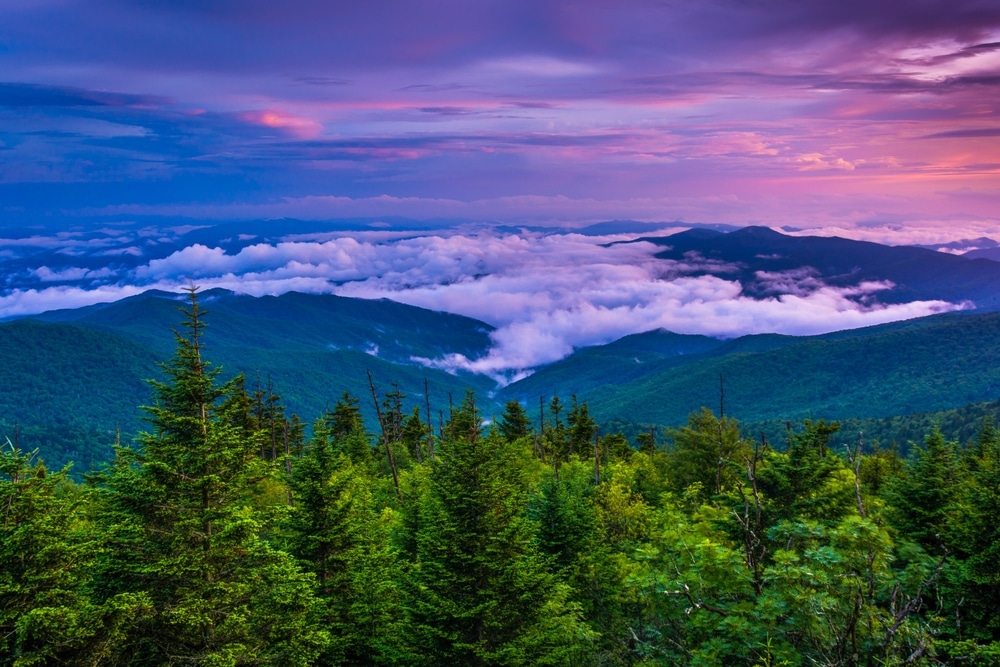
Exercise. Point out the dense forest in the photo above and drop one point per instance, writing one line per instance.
(233, 534)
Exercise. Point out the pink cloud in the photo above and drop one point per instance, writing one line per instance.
(295, 125)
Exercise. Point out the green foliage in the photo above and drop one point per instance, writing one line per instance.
(932, 363)
(46, 549)
(183, 531)
(828, 594)
(231, 537)
(82, 373)
(514, 422)
(337, 532)
(923, 496)
(478, 592)
(708, 451)
(582, 429)
(808, 481)
(974, 532)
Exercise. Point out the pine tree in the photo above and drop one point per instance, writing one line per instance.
(184, 530)
(479, 593)
(46, 550)
(514, 422)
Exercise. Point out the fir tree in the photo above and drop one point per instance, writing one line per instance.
(336, 532)
(479, 593)
(46, 550)
(514, 422)
(184, 531)
(923, 496)
(582, 428)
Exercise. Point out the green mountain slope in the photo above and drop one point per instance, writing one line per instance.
(65, 389)
(69, 380)
(45, 365)
(932, 363)
(82, 372)
(292, 321)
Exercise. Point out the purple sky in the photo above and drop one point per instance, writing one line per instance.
(874, 118)
(126, 124)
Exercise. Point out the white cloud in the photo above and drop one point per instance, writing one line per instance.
(547, 294)
(31, 301)
(693, 305)
(72, 273)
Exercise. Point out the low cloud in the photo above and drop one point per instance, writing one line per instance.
(31, 301)
(73, 273)
(546, 294)
(694, 305)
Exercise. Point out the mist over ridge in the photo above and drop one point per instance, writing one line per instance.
(547, 290)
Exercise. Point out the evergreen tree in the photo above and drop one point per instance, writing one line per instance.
(514, 422)
(413, 437)
(569, 535)
(336, 533)
(646, 442)
(707, 450)
(345, 432)
(184, 531)
(478, 593)
(582, 429)
(556, 440)
(808, 481)
(46, 550)
(975, 533)
(923, 497)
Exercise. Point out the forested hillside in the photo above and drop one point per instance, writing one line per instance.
(924, 365)
(72, 378)
(228, 536)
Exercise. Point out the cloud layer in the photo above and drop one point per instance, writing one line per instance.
(546, 293)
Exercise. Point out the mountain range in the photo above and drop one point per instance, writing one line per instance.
(754, 255)
(82, 371)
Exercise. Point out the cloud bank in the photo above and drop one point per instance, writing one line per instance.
(546, 293)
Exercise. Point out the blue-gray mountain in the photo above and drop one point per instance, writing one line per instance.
(749, 254)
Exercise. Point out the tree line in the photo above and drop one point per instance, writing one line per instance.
(233, 535)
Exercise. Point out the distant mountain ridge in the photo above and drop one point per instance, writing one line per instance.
(918, 274)
(385, 329)
(85, 368)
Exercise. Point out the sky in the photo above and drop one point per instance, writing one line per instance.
(474, 138)
(816, 114)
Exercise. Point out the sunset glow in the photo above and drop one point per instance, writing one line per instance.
(702, 113)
